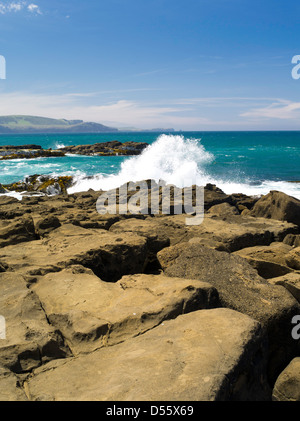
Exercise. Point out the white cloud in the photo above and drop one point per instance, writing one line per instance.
(181, 115)
(282, 109)
(119, 113)
(34, 8)
(17, 6)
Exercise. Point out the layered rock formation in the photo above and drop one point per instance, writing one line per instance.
(145, 307)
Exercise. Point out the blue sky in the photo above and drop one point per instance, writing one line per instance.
(190, 65)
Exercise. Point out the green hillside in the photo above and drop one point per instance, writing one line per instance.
(32, 124)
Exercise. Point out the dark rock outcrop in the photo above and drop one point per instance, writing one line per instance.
(277, 205)
(107, 148)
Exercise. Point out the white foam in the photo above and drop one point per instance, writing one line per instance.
(178, 161)
(59, 145)
(173, 159)
(14, 194)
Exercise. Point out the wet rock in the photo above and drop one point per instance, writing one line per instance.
(107, 148)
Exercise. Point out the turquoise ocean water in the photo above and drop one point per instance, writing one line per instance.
(237, 162)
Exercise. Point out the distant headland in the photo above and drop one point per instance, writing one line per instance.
(24, 124)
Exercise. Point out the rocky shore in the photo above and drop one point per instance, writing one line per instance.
(147, 308)
(40, 185)
(27, 152)
(111, 148)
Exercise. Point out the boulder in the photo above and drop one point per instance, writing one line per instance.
(30, 340)
(278, 205)
(213, 195)
(223, 209)
(206, 355)
(242, 289)
(287, 386)
(91, 313)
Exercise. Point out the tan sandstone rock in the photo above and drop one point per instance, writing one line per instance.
(228, 233)
(278, 205)
(205, 355)
(10, 391)
(30, 340)
(17, 231)
(91, 313)
(291, 281)
(109, 255)
(293, 258)
(242, 289)
(269, 261)
(287, 386)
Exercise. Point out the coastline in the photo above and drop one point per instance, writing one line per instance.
(161, 278)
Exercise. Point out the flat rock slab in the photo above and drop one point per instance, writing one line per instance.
(287, 386)
(157, 239)
(30, 340)
(109, 255)
(240, 288)
(91, 313)
(227, 233)
(205, 355)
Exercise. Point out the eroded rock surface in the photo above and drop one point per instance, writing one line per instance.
(205, 355)
(146, 307)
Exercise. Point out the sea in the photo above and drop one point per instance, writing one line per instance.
(252, 163)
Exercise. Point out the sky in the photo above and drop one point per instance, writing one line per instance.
(182, 64)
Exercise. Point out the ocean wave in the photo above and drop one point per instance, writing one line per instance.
(173, 159)
(182, 162)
